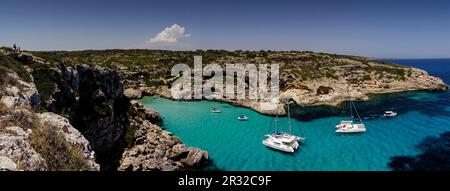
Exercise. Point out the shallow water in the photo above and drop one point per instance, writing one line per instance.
(236, 145)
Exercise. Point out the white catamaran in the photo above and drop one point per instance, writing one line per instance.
(349, 126)
(281, 140)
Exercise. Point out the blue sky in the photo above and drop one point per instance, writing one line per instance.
(400, 29)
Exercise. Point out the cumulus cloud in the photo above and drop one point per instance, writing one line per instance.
(170, 35)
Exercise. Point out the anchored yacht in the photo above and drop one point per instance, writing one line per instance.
(283, 141)
(350, 126)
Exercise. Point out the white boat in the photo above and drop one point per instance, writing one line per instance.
(343, 123)
(390, 114)
(283, 141)
(242, 118)
(215, 110)
(350, 126)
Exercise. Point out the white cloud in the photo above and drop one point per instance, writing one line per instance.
(169, 35)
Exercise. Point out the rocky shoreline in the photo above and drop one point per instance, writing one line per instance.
(156, 149)
(308, 98)
(307, 78)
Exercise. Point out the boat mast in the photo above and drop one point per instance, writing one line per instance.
(289, 117)
(276, 119)
(350, 106)
(357, 114)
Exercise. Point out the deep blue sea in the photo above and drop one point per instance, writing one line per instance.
(236, 145)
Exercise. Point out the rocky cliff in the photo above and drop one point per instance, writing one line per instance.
(83, 110)
(93, 101)
(31, 140)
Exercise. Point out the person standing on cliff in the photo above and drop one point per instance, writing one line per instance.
(15, 48)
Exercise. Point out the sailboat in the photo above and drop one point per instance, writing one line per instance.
(349, 126)
(281, 140)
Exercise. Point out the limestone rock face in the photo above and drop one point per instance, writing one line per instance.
(133, 93)
(16, 152)
(96, 105)
(19, 123)
(146, 113)
(178, 150)
(6, 164)
(72, 136)
(20, 93)
(195, 157)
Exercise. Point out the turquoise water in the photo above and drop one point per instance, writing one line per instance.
(236, 145)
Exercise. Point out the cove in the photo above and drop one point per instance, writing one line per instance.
(236, 145)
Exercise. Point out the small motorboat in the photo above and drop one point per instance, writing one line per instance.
(390, 114)
(242, 118)
(215, 110)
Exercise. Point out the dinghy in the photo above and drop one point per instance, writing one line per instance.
(215, 110)
(242, 118)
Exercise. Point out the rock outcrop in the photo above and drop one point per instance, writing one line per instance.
(16, 153)
(71, 135)
(87, 123)
(133, 93)
(26, 58)
(157, 150)
(24, 133)
(94, 102)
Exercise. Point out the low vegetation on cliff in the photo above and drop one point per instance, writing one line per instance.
(156, 64)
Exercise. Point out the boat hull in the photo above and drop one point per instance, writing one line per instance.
(356, 130)
(284, 149)
(242, 118)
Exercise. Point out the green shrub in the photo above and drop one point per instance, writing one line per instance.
(57, 152)
(44, 83)
(366, 77)
(4, 77)
(130, 132)
(10, 64)
(7, 49)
